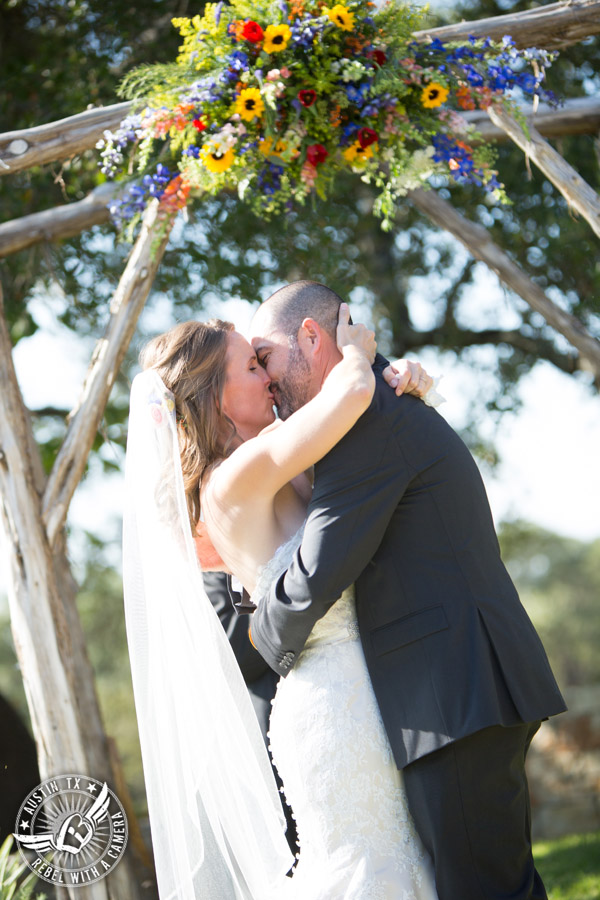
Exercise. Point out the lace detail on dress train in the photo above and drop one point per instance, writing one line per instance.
(357, 839)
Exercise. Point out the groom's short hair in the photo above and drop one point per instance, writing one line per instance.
(294, 302)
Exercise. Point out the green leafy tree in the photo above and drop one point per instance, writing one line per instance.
(559, 582)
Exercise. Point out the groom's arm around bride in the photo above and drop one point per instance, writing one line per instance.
(460, 675)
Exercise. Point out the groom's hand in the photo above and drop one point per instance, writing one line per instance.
(407, 377)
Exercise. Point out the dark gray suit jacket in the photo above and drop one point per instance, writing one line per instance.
(399, 509)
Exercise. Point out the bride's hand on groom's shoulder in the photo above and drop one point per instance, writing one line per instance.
(408, 377)
(359, 336)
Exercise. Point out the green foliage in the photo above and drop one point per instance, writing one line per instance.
(12, 868)
(570, 866)
(559, 582)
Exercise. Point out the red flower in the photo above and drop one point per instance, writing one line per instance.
(379, 57)
(307, 97)
(366, 137)
(252, 32)
(316, 154)
(200, 124)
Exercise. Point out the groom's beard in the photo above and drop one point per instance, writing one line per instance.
(292, 391)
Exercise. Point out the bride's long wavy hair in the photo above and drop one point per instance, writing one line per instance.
(191, 360)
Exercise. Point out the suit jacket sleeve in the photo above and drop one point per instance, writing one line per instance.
(357, 488)
(220, 594)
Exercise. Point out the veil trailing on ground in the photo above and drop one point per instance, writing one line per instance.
(215, 814)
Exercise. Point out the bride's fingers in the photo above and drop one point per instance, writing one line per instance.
(344, 315)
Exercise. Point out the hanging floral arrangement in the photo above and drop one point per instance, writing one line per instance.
(274, 99)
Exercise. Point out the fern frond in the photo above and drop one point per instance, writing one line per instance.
(149, 79)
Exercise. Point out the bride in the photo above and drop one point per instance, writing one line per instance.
(203, 442)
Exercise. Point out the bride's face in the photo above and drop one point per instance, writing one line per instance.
(247, 399)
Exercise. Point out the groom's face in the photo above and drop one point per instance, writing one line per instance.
(286, 366)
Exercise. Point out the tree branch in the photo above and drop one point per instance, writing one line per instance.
(532, 346)
(552, 26)
(572, 186)
(479, 243)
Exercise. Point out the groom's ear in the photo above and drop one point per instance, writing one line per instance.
(310, 335)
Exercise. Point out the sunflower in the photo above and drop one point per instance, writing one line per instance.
(341, 16)
(249, 104)
(217, 160)
(267, 147)
(434, 95)
(356, 154)
(277, 37)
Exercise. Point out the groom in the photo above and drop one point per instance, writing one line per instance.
(460, 675)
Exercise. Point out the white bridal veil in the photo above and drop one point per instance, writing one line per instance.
(215, 815)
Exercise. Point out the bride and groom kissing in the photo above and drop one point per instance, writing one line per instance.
(413, 679)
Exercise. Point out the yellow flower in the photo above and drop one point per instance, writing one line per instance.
(434, 95)
(266, 147)
(341, 16)
(356, 154)
(216, 160)
(249, 104)
(277, 37)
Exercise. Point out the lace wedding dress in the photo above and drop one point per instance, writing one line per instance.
(357, 839)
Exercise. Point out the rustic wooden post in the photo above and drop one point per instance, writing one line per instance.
(49, 641)
(572, 186)
(478, 242)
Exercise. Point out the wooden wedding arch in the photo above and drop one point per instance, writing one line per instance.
(48, 636)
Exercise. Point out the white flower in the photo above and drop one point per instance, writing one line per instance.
(352, 70)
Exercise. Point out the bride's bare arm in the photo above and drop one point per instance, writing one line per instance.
(262, 465)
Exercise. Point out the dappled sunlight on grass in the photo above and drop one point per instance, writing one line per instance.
(570, 866)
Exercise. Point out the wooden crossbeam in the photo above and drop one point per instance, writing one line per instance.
(57, 140)
(552, 26)
(58, 222)
(579, 116)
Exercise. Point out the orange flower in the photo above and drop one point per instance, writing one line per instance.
(236, 29)
(464, 146)
(296, 10)
(335, 118)
(175, 194)
(465, 98)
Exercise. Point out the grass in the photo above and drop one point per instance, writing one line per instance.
(570, 866)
